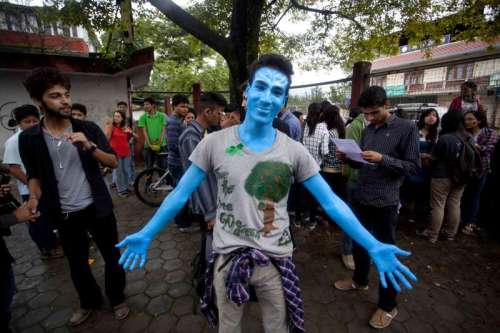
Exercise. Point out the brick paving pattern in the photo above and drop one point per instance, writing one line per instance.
(458, 288)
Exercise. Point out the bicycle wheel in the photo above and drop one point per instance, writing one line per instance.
(151, 186)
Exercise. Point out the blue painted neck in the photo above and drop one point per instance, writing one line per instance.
(256, 136)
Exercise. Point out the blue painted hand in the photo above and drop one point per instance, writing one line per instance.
(390, 268)
(136, 249)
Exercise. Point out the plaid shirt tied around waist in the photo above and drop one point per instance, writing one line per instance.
(242, 265)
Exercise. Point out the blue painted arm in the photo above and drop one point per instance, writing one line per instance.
(383, 255)
(136, 245)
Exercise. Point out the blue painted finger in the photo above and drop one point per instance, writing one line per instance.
(403, 253)
(124, 256)
(406, 271)
(402, 279)
(143, 261)
(134, 263)
(128, 261)
(122, 243)
(382, 279)
(394, 282)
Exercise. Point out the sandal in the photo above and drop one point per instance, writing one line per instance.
(469, 229)
(121, 311)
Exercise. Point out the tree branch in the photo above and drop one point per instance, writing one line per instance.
(192, 25)
(281, 17)
(326, 12)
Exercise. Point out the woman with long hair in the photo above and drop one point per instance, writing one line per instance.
(331, 167)
(485, 140)
(415, 190)
(316, 140)
(445, 192)
(119, 134)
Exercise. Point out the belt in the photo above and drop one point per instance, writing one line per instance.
(68, 215)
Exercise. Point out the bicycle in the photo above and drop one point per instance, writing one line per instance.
(152, 185)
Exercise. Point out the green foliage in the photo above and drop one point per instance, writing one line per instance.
(269, 180)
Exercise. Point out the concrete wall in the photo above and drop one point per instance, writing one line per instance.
(98, 93)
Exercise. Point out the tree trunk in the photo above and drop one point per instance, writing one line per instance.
(240, 49)
(244, 41)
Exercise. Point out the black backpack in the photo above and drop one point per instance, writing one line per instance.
(467, 166)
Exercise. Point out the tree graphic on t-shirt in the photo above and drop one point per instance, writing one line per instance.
(269, 182)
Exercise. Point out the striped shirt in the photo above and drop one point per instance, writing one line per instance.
(331, 160)
(175, 126)
(317, 143)
(397, 141)
(239, 273)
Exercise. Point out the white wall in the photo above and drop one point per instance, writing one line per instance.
(98, 93)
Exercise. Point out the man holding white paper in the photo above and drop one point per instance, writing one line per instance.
(388, 152)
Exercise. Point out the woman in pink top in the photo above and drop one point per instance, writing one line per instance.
(119, 134)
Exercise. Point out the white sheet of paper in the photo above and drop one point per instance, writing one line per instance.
(351, 149)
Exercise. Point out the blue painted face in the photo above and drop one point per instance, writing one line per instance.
(266, 95)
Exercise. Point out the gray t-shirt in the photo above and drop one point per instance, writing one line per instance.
(74, 189)
(252, 188)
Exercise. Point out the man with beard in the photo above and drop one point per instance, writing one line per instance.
(62, 157)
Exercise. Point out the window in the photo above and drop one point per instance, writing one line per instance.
(460, 72)
(414, 78)
(15, 22)
(65, 31)
(74, 31)
(31, 24)
(3, 21)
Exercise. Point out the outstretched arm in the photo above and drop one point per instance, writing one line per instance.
(384, 255)
(136, 245)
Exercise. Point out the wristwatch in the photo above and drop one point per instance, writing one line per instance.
(92, 148)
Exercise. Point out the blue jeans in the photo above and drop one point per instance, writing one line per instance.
(122, 174)
(41, 232)
(471, 200)
(182, 219)
(131, 169)
(7, 291)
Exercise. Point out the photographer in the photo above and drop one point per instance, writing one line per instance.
(9, 215)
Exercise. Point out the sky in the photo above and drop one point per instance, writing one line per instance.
(300, 77)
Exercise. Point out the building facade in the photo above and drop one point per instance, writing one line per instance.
(435, 75)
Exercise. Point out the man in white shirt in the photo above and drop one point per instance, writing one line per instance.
(40, 231)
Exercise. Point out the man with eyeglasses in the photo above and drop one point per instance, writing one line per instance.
(390, 145)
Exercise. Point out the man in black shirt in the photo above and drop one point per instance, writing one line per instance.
(62, 157)
(390, 145)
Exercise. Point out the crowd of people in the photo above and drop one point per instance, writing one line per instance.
(436, 170)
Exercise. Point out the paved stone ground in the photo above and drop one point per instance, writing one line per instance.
(458, 289)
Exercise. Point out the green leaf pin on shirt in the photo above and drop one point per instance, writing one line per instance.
(233, 150)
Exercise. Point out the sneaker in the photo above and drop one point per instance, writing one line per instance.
(79, 317)
(469, 229)
(121, 311)
(348, 284)
(348, 261)
(382, 319)
(186, 230)
(123, 194)
(426, 234)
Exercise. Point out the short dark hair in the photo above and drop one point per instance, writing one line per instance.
(452, 121)
(211, 99)
(150, 100)
(122, 103)
(179, 99)
(43, 78)
(480, 117)
(275, 61)
(25, 111)
(373, 97)
(80, 107)
(470, 84)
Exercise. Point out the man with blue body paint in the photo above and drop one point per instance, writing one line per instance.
(254, 165)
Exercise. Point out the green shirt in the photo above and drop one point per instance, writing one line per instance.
(154, 126)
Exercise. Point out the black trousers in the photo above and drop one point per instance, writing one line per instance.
(381, 222)
(74, 240)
